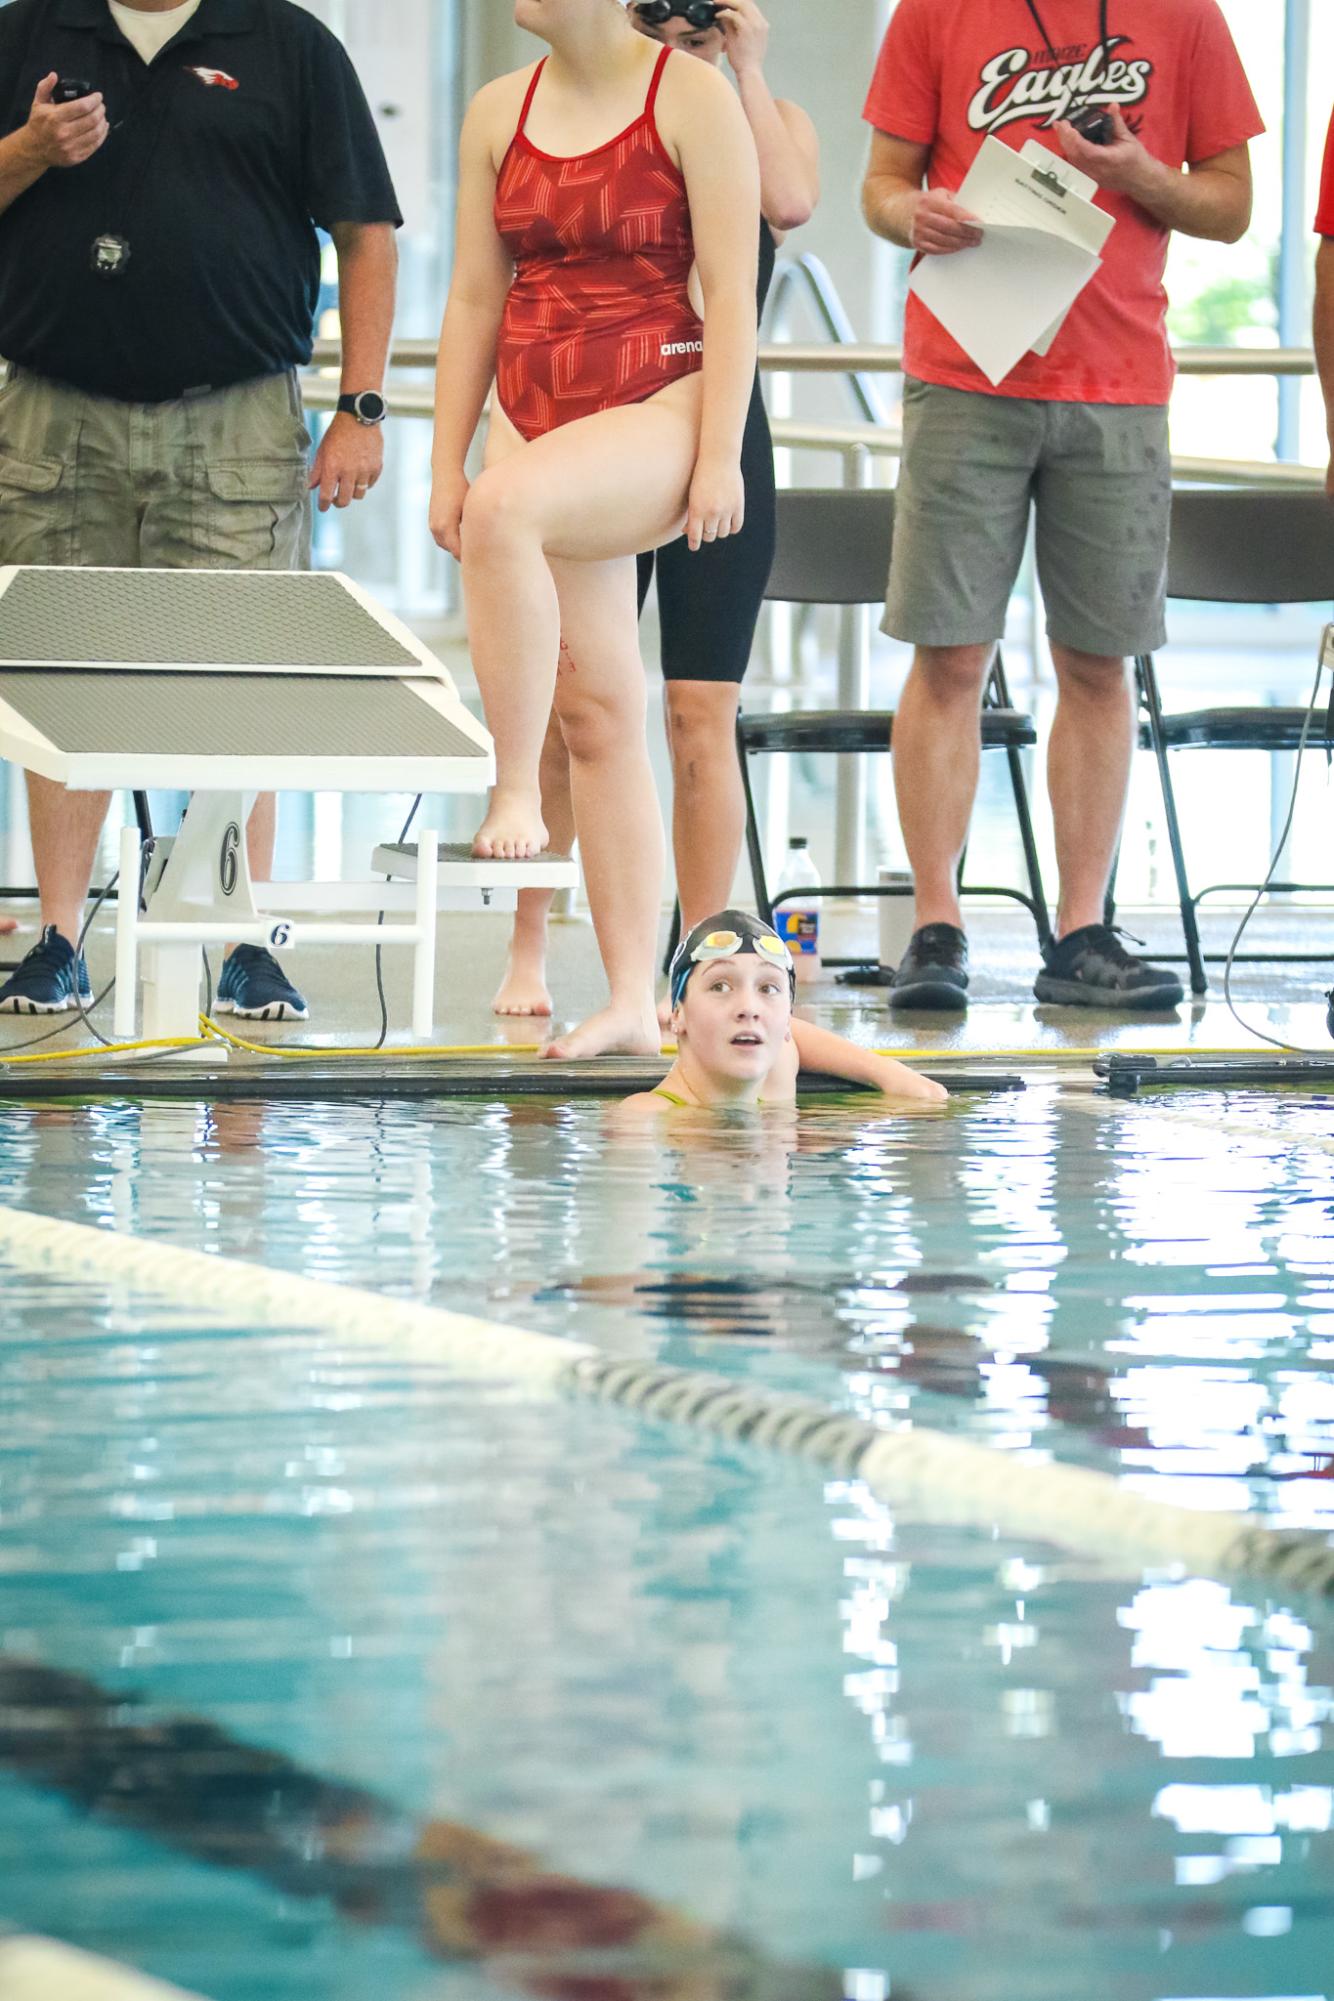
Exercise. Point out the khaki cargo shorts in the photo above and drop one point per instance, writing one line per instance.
(1100, 478)
(213, 481)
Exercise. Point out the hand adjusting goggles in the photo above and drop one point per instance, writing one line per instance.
(727, 936)
(696, 13)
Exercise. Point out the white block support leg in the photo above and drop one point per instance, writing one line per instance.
(423, 957)
(127, 938)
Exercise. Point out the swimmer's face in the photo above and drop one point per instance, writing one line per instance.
(706, 43)
(735, 1015)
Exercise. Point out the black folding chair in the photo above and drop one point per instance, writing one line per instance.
(1236, 547)
(833, 548)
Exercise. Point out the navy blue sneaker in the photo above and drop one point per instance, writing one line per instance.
(254, 985)
(45, 981)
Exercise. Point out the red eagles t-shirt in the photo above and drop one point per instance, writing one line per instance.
(1324, 219)
(952, 71)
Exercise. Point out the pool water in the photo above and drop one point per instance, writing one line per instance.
(281, 1614)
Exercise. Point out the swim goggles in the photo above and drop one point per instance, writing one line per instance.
(695, 13)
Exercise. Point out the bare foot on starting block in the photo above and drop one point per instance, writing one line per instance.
(614, 1031)
(523, 991)
(512, 831)
(8, 925)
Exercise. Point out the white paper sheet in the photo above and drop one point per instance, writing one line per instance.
(1041, 242)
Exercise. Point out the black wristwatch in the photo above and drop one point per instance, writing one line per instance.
(367, 406)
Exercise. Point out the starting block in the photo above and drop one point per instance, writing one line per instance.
(227, 684)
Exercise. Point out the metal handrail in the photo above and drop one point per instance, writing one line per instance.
(886, 441)
(867, 358)
(809, 273)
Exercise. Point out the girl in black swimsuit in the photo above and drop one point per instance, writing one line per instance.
(708, 599)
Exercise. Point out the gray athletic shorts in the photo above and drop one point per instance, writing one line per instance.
(214, 481)
(1100, 475)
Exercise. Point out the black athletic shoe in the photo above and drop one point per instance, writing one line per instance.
(933, 972)
(253, 985)
(1092, 968)
(46, 981)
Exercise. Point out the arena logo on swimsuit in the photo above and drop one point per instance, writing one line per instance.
(681, 347)
(1014, 86)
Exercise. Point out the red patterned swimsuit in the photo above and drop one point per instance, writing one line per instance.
(599, 312)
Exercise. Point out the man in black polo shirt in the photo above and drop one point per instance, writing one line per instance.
(163, 171)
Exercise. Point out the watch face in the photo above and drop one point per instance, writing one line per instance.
(371, 407)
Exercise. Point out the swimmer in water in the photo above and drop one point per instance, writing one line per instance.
(739, 1043)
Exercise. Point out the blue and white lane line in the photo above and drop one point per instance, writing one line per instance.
(917, 1470)
(37, 1969)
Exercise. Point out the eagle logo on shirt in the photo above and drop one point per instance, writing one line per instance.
(217, 78)
(1015, 85)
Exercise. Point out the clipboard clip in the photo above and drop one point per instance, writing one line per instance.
(1057, 175)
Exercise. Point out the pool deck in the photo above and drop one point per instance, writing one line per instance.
(1004, 1032)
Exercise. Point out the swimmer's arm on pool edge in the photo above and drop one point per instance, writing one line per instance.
(834, 1056)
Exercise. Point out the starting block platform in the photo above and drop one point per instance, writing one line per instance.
(227, 684)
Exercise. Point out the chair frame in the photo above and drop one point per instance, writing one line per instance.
(1034, 900)
(1189, 899)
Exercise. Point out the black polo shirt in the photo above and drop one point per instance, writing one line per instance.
(247, 130)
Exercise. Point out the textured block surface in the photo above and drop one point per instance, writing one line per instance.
(106, 712)
(261, 618)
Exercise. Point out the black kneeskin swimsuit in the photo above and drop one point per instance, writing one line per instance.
(709, 602)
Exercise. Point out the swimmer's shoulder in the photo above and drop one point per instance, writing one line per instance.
(646, 1106)
(694, 101)
(493, 114)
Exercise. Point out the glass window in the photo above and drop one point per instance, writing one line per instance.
(1226, 295)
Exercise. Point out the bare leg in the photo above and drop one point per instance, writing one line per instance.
(1088, 774)
(514, 634)
(601, 702)
(523, 991)
(65, 829)
(708, 804)
(261, 835)
(602, 487)
(936, 755)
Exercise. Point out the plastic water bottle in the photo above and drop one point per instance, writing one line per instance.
(798, 922)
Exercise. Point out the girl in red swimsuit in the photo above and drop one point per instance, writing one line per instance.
(605, 275)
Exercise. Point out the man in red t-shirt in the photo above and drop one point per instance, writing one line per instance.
(1081, 431)
(1324, 304)
(1324, 331)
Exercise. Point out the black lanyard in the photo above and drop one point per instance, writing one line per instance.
(1047, 40)
(111, 248)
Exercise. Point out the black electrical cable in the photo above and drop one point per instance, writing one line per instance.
(383, 1036)
(1274, 1041)
(84, 1012)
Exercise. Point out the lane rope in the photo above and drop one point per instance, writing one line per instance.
(946, 1479)
(37, 1969)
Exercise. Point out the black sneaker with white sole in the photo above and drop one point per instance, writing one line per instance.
(1092, 968)
(254, 986)
(933, 972)
(49, 980)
